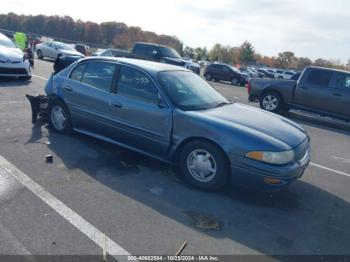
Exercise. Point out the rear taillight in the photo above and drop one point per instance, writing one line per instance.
(249, 87)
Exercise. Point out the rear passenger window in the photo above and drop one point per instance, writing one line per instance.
(319, 78)
(151, 51)
(99, 75)
(135, 84)
(139, 49)
(343, 81)
(77, 72)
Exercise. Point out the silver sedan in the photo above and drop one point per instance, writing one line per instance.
(54, 50)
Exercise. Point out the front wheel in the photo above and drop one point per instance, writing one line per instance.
(204, 165)
(59, 117)
(208, 77)
(272, 102)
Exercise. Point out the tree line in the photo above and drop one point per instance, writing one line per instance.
(111, 34)
(119, 35)
(245, 54)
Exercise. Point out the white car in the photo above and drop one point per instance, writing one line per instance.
(12, 60)
(279, 74)
(288, 75)
(54, 50)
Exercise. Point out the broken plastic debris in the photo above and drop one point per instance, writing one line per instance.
(49, 158)
(204, 221)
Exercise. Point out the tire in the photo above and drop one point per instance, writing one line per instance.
(40, 55)
(208, 77)
(272, 102)
(234, 81)
(193, 170)
(59, 117)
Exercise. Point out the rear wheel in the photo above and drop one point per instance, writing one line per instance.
(59, 117)
(40, 55)
(272, 102)
(204, 165)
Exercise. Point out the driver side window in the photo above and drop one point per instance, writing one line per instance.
(136, 84)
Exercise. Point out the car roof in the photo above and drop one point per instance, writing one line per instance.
(149, 66)
(150, 44)
(329, 69)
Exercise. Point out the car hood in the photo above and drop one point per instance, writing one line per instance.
(180, 61)
(72, 53)
(13, 54)
(259, 122)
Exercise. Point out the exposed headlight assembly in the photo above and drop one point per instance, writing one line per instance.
(275, 158)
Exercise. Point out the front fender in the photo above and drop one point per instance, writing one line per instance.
(233, 139)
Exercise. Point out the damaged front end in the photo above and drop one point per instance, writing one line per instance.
(41, 103)
(40, 106)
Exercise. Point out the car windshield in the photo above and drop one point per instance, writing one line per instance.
(169, 52)
(189, 91)
(7, 43)
(235, 69)
(65, 47)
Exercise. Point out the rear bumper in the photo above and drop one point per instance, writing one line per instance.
(250, 173)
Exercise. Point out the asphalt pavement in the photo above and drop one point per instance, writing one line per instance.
(144, 207)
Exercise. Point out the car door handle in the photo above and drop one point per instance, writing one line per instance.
(337, 94)
(304, 87)
(116, 104)
(68, 88)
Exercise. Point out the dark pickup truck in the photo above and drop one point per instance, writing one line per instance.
(319, 90)
(163, 54)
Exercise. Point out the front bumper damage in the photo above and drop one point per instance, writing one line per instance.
(40, 106)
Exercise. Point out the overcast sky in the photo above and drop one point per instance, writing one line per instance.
(313, 28)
